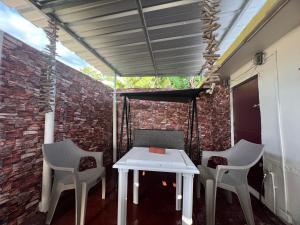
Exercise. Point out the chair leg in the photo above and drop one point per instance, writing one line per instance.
(78, 198)
(245, 201)
(103, 187)
(198, 186)
(228, 195)
(210, 201)
(84, 196)
(55, 194)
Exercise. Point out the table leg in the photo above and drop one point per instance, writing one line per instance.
(122, 196)
(187, 209)
(178, 191)
(136, 185)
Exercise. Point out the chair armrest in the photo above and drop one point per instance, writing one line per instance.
(230, 167)
(207, 154)
(60, 168)
(238, 174)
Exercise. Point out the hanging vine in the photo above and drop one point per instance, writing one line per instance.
(210, 19)
(48, 73)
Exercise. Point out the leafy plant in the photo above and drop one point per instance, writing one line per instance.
(168, 81)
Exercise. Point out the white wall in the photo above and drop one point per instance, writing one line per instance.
(279, 93)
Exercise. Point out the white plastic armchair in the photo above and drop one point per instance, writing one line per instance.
(64, 157)
(231, 177)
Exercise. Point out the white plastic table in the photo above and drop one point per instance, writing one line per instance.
(174, 161)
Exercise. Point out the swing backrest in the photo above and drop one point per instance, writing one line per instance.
(172, 139)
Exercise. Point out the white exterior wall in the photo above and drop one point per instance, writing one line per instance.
(279, 94)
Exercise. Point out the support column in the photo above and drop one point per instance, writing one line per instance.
(49, 102)
(47, 172)
(115, 120)
(187, 208)
(136, 185)
(122, 196)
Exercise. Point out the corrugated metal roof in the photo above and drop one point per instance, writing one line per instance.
(131, 37)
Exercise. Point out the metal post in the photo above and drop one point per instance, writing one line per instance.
(197, 131)
(122, 127)
(188, 127)
(146, 33)
(115, 120)
(127, 123)
(192, 128)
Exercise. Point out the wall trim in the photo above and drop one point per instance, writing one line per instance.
(231, 117)
(252, 26)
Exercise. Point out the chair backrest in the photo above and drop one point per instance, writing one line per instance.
(245, 154)
(173, 139)
(61, 154)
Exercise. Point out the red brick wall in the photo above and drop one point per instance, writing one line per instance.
(84, 109)
(83, 113)
(213, 118)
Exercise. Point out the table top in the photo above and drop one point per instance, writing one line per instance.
(174, 161)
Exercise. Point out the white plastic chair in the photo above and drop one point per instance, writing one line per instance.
(231, 177)
(64, 157)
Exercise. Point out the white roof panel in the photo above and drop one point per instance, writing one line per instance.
(131, 36)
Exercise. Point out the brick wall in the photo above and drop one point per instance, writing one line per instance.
(83, 113)
(213, 118)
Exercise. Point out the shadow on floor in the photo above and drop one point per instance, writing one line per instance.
(156, 206)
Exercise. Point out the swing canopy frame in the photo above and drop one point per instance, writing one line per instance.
(188, 96)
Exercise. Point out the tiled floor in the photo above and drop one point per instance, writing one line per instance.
(157, 206)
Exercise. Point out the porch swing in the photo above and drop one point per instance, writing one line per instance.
(188, 96)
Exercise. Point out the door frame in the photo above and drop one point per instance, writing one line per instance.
(231, 103)
(242, 79)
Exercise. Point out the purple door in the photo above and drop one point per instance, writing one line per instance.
(247, 124)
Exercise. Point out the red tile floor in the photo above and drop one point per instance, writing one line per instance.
(156, 206)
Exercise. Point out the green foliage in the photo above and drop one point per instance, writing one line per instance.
(180, 82)
(92, 73)
(176, 82)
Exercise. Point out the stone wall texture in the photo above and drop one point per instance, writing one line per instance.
(83, 113)
(213, 119)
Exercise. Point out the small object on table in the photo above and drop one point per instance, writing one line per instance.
(157, 150)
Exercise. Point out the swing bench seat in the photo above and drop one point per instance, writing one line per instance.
(172, 139)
